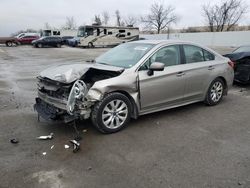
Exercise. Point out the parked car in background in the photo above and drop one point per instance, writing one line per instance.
(133, 79)
(9, 41)
(65, 39)
(27, 34)
(241, 59)
(48, 41)
(73, 42)
(27, 39)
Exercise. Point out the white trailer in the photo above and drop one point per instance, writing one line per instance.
(94, 35)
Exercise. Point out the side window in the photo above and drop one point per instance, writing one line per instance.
(208, 56)
(193, 54)
(169, 55)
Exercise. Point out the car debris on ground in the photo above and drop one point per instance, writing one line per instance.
(14, 141)
(66, 146)
(76, 145)
(48, 137)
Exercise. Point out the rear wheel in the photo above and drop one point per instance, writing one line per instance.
(9, 43)
(39, 45)
(215, 92)
(112, 113)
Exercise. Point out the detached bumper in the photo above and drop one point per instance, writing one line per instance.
(52, 113)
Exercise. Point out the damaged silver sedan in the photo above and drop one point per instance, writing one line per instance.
(133, 79)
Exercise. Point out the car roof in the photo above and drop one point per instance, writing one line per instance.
(163, 42)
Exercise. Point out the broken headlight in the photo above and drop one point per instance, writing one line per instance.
(78, 91)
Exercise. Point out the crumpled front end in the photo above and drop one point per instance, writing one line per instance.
(63, 102)
(65, 92)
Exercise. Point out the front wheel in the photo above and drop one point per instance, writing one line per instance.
(112, 113)
(9, 43)
(90, 45)
(215, 92)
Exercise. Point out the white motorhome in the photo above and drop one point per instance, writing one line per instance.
(94, 35)
(59, 33)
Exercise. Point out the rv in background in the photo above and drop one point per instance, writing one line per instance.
(94, 35)
(58, 33)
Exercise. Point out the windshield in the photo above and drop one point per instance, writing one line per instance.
(242, 49)
(125, 55)
(81, 32)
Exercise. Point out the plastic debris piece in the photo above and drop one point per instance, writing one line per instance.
(89, 168)
(52, 147)
(48, 137)
(44, 153)
(84, 130)
(76, 145)
(66, 146)
(14, 141)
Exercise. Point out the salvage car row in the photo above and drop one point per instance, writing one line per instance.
(37, 41)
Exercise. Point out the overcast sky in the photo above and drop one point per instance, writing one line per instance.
(23, 14)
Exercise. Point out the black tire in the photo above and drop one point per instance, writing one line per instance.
(39, 45)
(211, 101)
(8, 43)
(90, 45)
(98, 112)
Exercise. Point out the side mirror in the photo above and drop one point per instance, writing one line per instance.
(156, 66)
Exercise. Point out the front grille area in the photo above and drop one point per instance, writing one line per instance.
(54, 89)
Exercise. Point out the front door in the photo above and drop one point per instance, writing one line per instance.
(164, 88)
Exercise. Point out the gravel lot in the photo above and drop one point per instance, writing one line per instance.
(191, 146)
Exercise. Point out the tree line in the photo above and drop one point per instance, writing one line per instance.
(223, 16)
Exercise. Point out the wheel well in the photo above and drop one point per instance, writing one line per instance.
(225, 83)
(134, 113)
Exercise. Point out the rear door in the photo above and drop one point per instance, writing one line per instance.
(199, 67)
(163, 88)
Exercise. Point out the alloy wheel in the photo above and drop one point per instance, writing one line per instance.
(115, 114)
(216, 91)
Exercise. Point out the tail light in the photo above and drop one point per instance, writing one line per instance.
(231, 64)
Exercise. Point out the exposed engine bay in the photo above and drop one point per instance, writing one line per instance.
(65, 101)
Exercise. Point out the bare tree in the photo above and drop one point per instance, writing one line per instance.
(160, 16)
(70, 23)
(47, 26)
(98, 20)
(131, 20)
(118, 18)
(105, 17)
(224, 16)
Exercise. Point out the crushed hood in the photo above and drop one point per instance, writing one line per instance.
(69, 73)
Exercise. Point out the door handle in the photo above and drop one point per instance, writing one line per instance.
(179, 74)
(211, 68)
